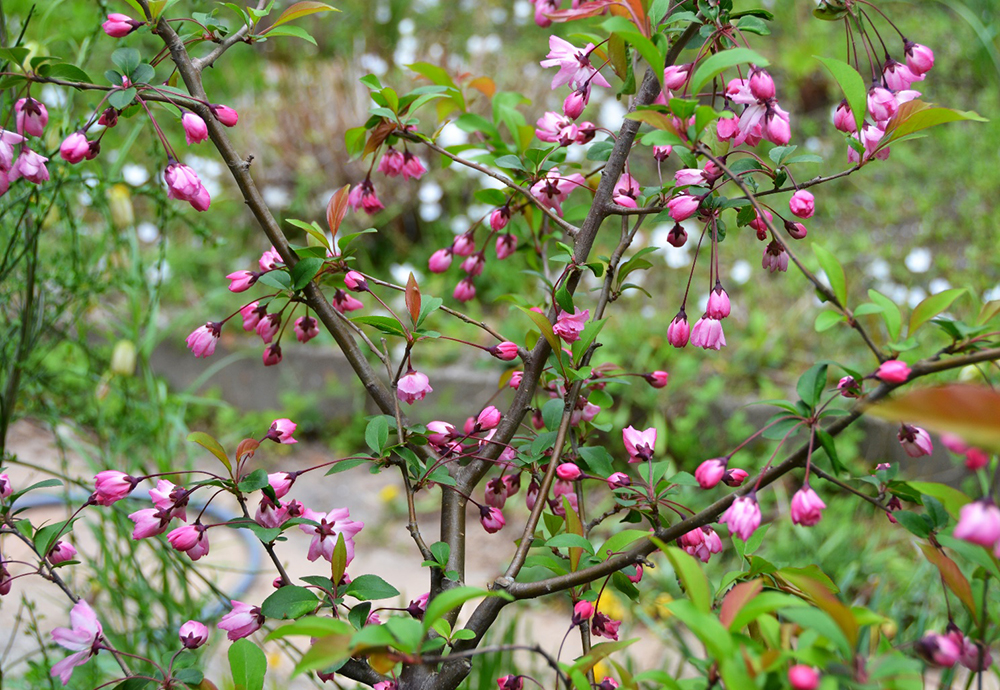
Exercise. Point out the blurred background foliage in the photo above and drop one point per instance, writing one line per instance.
(112, 264)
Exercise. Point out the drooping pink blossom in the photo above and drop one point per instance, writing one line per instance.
(742, 517)
(919, 58)
(582, 611)
(413, 167)
(761, 84)
(119, 25)
(674, 76)
(683, 206)
(150, 522)
(61, 552)
(802, 204)
(252, 314)
(938, 650)
(979, 523)
(576, 101)
(618, 480)
(345, 302)
(30, 166)
(363, 197)
(465, 290)
(272, 355)
(775, 257)
(244, 620)
(639, 444)
(718, 302)
(82, 638)
(30, 117)
(707, 333)
(604, 626)
(195, 129)
(392, 162)
(74, 148)
(270, 260)
(268, 327)
(710, 472)
(679, 332)
(626, 191)
(111, 486)
(893, 371)
(331, 526)
(306, 328)
(183, 184)
(505, 351)
(574, 64)
(418, 606)
(553, 189)
(915, 441)
(656, 379)
(6, 488)
(511, 682)
(569, 471)
(473, 265)
(556, 128)
(193, 634)
(224, 114)
(491, 519)
(807, 507)
(191, 539)
(734, 477)
(281, 431)
(412, 387)
(843, 119)
(203, 339)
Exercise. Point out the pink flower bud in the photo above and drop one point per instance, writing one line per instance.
(473, 265)
(979, 523)
(499, 218)
(803, 677)
(413, 167)
(843, 119)
(465, 290)
(661, 153)
(954, 443)
(418, 606)
(683, 206)
(6, 488)
(363, 197)
(270, 260)
(61, 552)
(776, 128)
(112, 486)
(491, 519)
(412, 387)
(976, 459)
(440, 260)
(718, 302)
(464, 244)
(281, 431)
(195, 129)
(849, 387)
(392, 162)
(881, 104)
(202, 340)
(807, 507)
(634, 579)
(505, 351)
(582, 611)
(506, 245)
(639, 444)
(355, 281)
(726, 128)
(893, 371)
(938, 650)
(244, 620)
(191, 539)
(568, 471)
(496, 493)
(74, 148)
(575, 102)
(570, 326)
(656, 379)
(488, 419)
(775, 258)
(707, 333)
(919, 58)
(344, 302)
(193, 634)
(511, 682)
(802, 204)
(618, 480)
(272, 355)
(975, 656)
(734, 477)
(30, 117)
(252, 314)
(674, 76)
(761, 84)
(183, 184)
(915, 441)
(742, 517)
(282, 482)
(678, 332)
(268, 327)
(710, 473)
(515, 379)
(306, 328)
(119, 25)
(225, 114)
(797, 231)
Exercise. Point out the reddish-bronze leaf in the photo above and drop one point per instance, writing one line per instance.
(952, 576)
(247, 447)
(413, 298)
(378, 135)
(336, 210)
(737, 598)
(968, 411)
(485, 85)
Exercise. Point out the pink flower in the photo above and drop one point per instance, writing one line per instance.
(413, 167)
(515, 379)
(506, 351)
(203, 339)
(568, 471)
(710, 472)
(954, 443)
(74, 148)
(802, 204)
(938, 650)
(707, 333)
(191, 539)
(777, 129)
(244, 620)
(183, 184)
(683, 206)
(843, 119)
(718, 302)
(193, 634)
(678, 332)
(6, 488)
(112, 486)
(272, 355)
(573, 63)
(553, 189)
(775, 257)
(618, 480)
(639, 444)
(355, 281)
(418, 606)
(893, 371)
(803, 677)
(171, 498)
(82, 638)
(412, 387)
(807, 507)
(511, 682)
(441, 432)
(677, 237)
(7, 142)
(919, 58)
(742, 517)
(195, 129)
(465, 290)
(734, 477)
(727, 128)
(473, 265)
(701, 543)
(499, 219)
(604, 626)
(661, 153)
(281, 482)
(391, 164)
(268, 327)
(555, 128)
(626, 191)
(674, 76)
(225, 114)
(306, 328)
(61, 552)
(241, 281)
(491, 519)
(576, 101)
(976, 459)
(975, 656)
(897, 76)
(979, 523)
(30, 166)
(344, 302)
(656, 379)
(634, 579)
(150, 522)
(440, 260)
(119, 25)
(761, 84)
(330, 527)
(689, 176)
(496, 493)
(270, 260)
(881, 104)
(487, 419)
(569, 326)
(252, 314)
(30, 117)
(915, 441)
(281, 432)
(464, 244)
(364, 197)
(582, 611)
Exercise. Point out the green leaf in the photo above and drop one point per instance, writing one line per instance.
(276, 279)
(304, 271)
(565, 541)
(254, 481)
(377, 434)
(126, 60)
(821, 622)
(914, 522)
(620, 541)
(143, 74)
(646, 48)
(385, 324)
(811, 384)
(122, 98)
(248, 665)
(597, 459)
(931, 307)
(851, 84)
(296, 31)
(763, 603)
(951, 498)
(64, 70)
(690, 575)
(298, 10)
(545, 327)
(370, 588)
(827, 443)
(914, 116)
(715, 65)
(509, 162)
(453, 598)
(826, 320)
(890, 313)
(344, 465)
(45, 536)
(289, 602)
(552, 412)
(834, 273)
(210, 444)
(312, 626)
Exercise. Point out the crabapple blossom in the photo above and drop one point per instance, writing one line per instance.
(6, 488)
(344, 302)
(683, 206)
(440, 260)
(893, 371)
(919, 58)
(775, 257)
(656, 379)
(707, 333)
(392, 162)
(897, 76)
(465, 290)
(270, 260)
(843, 118)
(679, 332)
(30, 166)
(553, 189)
(418, 606)
(170, 497)
(252, 314)
(710, 472)
(119, 25)
(191, 539)
(639, 444)
(487, 419)
(674, 76)
(742, 517)
(224, 114)
(464, 244)
(193, 634)
(496, 493)
(976, 459)
(82, 638)
(979, 523)
(626, 191)
(569, 326)
(734, 477)
(272, 355)
(241, 281)
(761, 84)
(573, 63)
(244, 620)
(306, 328)
(511, 682)
(331, 526)
(473, 265)
(718, 302)
(505, 351)
(568, 471)
(491, 519)
(183, 184)
(807, 507)
(281, 431)
(61, 552)
(802, 204)
(30, 117)
(555, 128)
(618, 480)
(412, 387)
(195, 129)
(203, 339)
(111, 486)
(499, 218)
(74, 148)
(576, 101)
(915, 441)
(802, 677)
(268, 327)
(939, 650)
(975, 656)
(363, 197)
(604, 626)
(150, 522)
(582, 611)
